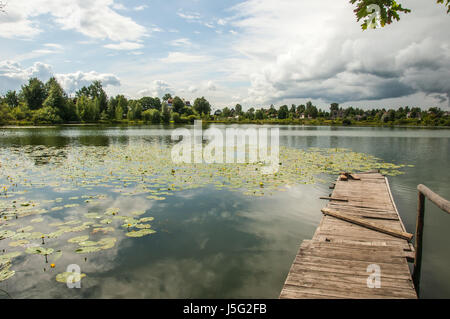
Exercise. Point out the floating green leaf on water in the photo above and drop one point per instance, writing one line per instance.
(37, 220)
(69, 277)
(142, 226)
(138, 213)
(18, 243)
(39, 250)
(140, 233)
(92, 215)
(5, 273)
(6, 234)
(78, 239)
(87, 249)
(4, 258)
(146, 219)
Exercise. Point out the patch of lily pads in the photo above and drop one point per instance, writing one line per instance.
(138, 169)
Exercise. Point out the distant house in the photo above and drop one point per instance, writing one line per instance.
(169, 102)
(187, 103)
(218, 113)
(302, 116)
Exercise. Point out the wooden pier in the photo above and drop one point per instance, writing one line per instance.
(361, 231)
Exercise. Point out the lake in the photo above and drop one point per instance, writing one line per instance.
(140, 227)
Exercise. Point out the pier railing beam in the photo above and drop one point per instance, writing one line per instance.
(440, 202)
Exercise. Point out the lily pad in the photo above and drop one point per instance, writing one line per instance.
(72, 277)
(78, 239)
(140, 233)
(39, 250)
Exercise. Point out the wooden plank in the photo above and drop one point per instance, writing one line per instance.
(361, 222)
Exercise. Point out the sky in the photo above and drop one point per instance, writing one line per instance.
(252, 52)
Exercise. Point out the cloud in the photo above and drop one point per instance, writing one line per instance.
(124, 46)
(158, 88)
(94, 19)
(140, 8)
(181, 42)
(181, 57)
(72, 82)
(13, 75)
(211, 86)
(190, 17)
(312, 49)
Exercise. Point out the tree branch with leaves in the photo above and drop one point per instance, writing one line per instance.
(389, 11)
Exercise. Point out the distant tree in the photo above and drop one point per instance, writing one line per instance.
(119, 113)
(150, 103)
(152, 116)
(293, 110)
(283, 112)
(301, 109)
(259, 115)
(122, 102)
(165, 114)
(95, 90)
(56, 99)
(177, 105)
(238, 109)
(34, 93)
(166, 97)
(311, 110)
(250, 113)
(134, 111)
(11, 98)
(226, 112)
(176, 117)
(202, 106)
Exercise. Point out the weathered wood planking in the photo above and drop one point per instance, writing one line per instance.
(334, 264)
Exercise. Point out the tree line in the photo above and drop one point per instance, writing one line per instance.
(48, 103)
(336, 115)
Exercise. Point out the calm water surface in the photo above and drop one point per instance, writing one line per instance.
(221, 244)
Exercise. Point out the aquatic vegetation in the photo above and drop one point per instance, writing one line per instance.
(140, 233)
(99, 174)
(73, 277)
(5, 273)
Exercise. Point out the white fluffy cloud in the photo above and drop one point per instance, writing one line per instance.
(157, 89)
(95, 19)
(315, 49)
(13, 75)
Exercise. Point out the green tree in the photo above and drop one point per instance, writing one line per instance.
(150, 103)
(176, 117)
(166, 97)
(283, 112)
(152, 116)
(238, 109)
(165, 115)
(11, 99)
(202, 106)
(177, 105)
(259, 115)
(34, 93)
(311, 110)
(134, 111)
(95, 90)
(56, 99)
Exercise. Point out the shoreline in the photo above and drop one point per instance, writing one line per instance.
(142, 123)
